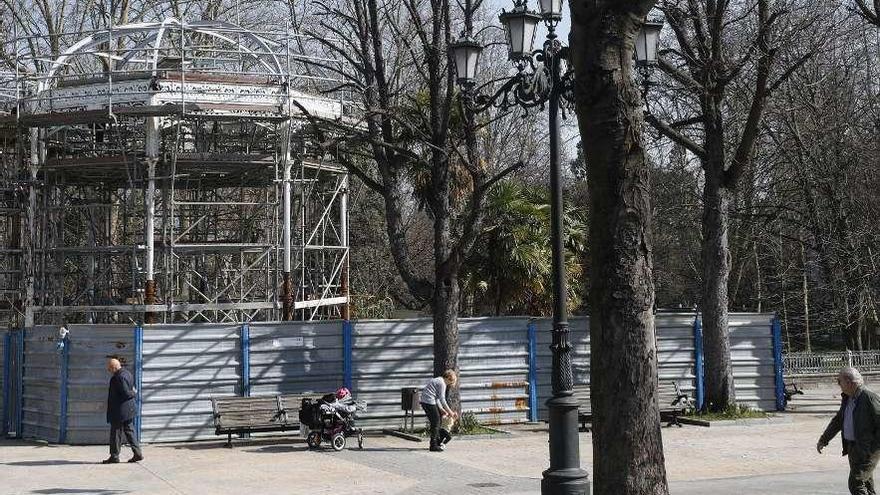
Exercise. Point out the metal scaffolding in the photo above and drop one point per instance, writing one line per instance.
(165, 172)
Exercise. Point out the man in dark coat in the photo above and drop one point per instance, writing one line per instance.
(121, 411)
(858, 421)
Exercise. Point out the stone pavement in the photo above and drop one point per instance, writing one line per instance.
(776, 456)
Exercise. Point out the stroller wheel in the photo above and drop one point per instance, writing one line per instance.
(338, 442)
(360, 440)
(314, 439)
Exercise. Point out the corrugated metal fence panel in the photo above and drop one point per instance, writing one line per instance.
(88, 378)
(675, 350)
(184, 367)
(295, 357)
(493, 360)
(751, 353)
(675, 353)
(42, 380)
(388, 355)
(580, 363)
(494, 363)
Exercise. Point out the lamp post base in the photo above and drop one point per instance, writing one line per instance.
(574, 481)
(565, 476)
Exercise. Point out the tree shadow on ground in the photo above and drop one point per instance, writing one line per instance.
(270, 449)
(49, 462)
(90, 491)
(378, 449)
(243, 443)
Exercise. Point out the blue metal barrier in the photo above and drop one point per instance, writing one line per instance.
(139, 377)
(776, 330)
(19, 382)
(245, 345)
(699, 386)
(533, 372)
(65, 376)
(7, 386)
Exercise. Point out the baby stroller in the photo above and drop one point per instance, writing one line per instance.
(331, 419)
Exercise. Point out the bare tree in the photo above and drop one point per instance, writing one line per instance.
(414, 138)
(704, 67)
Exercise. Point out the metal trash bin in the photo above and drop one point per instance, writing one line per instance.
(409, 398)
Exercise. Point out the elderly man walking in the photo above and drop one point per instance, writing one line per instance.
(858, 420)
(121, 410)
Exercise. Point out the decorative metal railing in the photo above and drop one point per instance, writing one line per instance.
(817, 363)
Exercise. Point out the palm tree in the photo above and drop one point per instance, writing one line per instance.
(511, 270)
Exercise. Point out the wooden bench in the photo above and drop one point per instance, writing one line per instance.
(673, 404)
(256, 414)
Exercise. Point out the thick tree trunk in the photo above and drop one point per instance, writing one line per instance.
(717, 197)
(716, 272)
(627, 447)
(445, 300)
(445, 305)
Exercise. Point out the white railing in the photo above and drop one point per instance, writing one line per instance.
(819, 363)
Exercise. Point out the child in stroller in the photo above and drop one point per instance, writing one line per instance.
(331, 419)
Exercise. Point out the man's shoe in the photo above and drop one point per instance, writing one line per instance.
(436, 448)
(136, 458)
(110, 460)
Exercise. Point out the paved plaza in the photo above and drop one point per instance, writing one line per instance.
(776, 456)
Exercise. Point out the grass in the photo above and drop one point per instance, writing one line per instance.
(467, 425)
(733, 412)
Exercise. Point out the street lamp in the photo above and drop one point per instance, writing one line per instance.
(645, 55)
(466, 53)
(647, 42)
(540, 80)
(520, 25)
(551, 10)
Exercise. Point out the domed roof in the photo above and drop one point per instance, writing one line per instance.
(212, 46)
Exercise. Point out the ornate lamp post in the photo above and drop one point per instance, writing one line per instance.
(544, 78)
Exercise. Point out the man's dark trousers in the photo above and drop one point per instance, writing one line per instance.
(861, 470)
(117, 430)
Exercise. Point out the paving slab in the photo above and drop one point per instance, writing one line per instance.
(777, 457)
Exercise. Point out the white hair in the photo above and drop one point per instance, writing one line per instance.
(853, 376)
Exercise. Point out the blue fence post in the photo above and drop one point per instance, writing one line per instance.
(245, 345)
(7, 386)
(776, 330)
(533, 371)
(139, 377)
(699, 371)
(19, 384)
(347, 351)
(65, 376)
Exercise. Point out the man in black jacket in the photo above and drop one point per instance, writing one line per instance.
(858, 421)
(121, 410)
